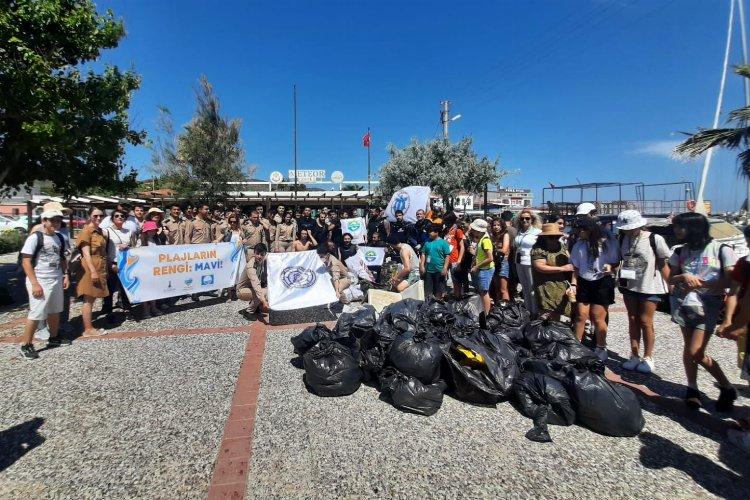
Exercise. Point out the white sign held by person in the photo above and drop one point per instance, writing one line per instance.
(356, 227)
(160, 271)
(408, 200)
(373, 256)
(297, 280)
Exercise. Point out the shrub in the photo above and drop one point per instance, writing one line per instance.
(11, 241)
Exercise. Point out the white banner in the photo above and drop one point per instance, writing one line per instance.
(160, 271)
(297, 280)
(408, 200)
(356, 227)
(373, 256)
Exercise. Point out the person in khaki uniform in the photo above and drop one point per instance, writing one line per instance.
(199, 230)
(255, 232)
(175, 225)
(253, 284)
(338, 271)
(219, 224)
(284, 233)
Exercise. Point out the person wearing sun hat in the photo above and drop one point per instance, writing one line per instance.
(552, 273)
(149, 236)
(643, 283)
(483, 267)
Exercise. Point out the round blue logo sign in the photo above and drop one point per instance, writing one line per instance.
(353, 226)
(298, 277)
(370, 256)
(401, 202)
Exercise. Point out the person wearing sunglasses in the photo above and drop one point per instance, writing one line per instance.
(93, 246)
(527, 226)
(120, 238)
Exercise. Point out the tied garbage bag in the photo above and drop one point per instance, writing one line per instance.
(417, 355)
(510, 314)
(409, 394)
(545, 401)
(554, 340)
(331, 370)
(404, 314)
(309, 337)
(603, 406)
(480, 373)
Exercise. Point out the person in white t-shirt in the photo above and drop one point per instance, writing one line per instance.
(527, 225)
(700, 274)
(46, 268)
(119, 238)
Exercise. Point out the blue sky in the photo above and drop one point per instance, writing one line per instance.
(596, 90)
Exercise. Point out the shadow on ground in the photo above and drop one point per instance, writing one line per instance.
(18, 440)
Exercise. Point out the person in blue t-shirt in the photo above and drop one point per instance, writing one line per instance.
(434, 262)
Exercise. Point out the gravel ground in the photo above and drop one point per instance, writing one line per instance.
(358, 446)
(116, 419)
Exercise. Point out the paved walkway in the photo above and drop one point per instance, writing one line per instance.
(198, 403)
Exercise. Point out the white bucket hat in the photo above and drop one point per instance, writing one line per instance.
(630, 219)
(52, 213)
(479, 225)
(585, 208)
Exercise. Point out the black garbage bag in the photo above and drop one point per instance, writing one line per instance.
(511, 334)
(554, 340)
(309, 337)
(404, 314)
(510, 314)
(545, 401)
(480, 372)
(438, 313)
(603, 406)
(363, 321)
(417, 354)
(331, 369)
(467, 309)
(409, 394)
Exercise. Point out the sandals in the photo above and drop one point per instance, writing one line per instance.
(693, 399)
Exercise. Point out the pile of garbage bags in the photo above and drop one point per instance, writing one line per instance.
(415, 352)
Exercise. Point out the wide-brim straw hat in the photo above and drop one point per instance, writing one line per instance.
(154, 210)
(551, 229)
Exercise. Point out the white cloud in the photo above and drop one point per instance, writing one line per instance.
(662, 149)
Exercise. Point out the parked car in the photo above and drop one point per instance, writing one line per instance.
(7, 223)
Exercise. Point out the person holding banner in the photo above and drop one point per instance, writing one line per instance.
(150, 236)
(253, 284)
(304, 242)
(284, 234)
(347, 249)
(93, 246)
(338, 271)
(120, 239)
(409, 273)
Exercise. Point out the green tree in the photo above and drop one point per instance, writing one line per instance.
(59, 121)
(445, 167)
(352, 187)
(206, 155)
(736, 137)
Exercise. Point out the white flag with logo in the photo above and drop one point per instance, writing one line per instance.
(373, 256)
(356, 227)
(297, 280)
(408, 200)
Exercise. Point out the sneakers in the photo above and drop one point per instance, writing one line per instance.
(94, 333)
(57, 342)
(28, 352)
(725, 403)
(42, 334)
(646, 366)
(632, 363)
(601, 353)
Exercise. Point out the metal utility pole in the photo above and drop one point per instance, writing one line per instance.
(445, 118)
(369, 138)
(743, 33)
(295, 142)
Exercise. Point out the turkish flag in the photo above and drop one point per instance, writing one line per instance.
(366, 140)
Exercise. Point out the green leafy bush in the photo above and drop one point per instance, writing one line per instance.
(11, 241)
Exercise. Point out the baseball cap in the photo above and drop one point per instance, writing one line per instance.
(585, 208)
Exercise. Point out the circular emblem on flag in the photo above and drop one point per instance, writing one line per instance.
(298, 277)
(353, 226)
(401, 202)
(370, 256)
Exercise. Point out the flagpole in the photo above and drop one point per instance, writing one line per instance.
(368, 161)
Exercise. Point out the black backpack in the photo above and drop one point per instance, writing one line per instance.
(38, 248)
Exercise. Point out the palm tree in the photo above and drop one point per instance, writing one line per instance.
(737, 137)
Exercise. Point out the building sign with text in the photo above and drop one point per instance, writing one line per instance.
(308, 175)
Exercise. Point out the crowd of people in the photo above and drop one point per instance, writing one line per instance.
(564, 271)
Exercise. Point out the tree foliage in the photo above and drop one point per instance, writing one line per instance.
(206, 155)
(737, 137)
(445, 167)
(59, 121)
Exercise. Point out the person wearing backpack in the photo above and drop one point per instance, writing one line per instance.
(700, 270)
(45, 266)
(643, 284)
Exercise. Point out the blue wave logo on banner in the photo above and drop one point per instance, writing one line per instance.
(401, 202)
(125, 269)
(298, 277)
(236, 251)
